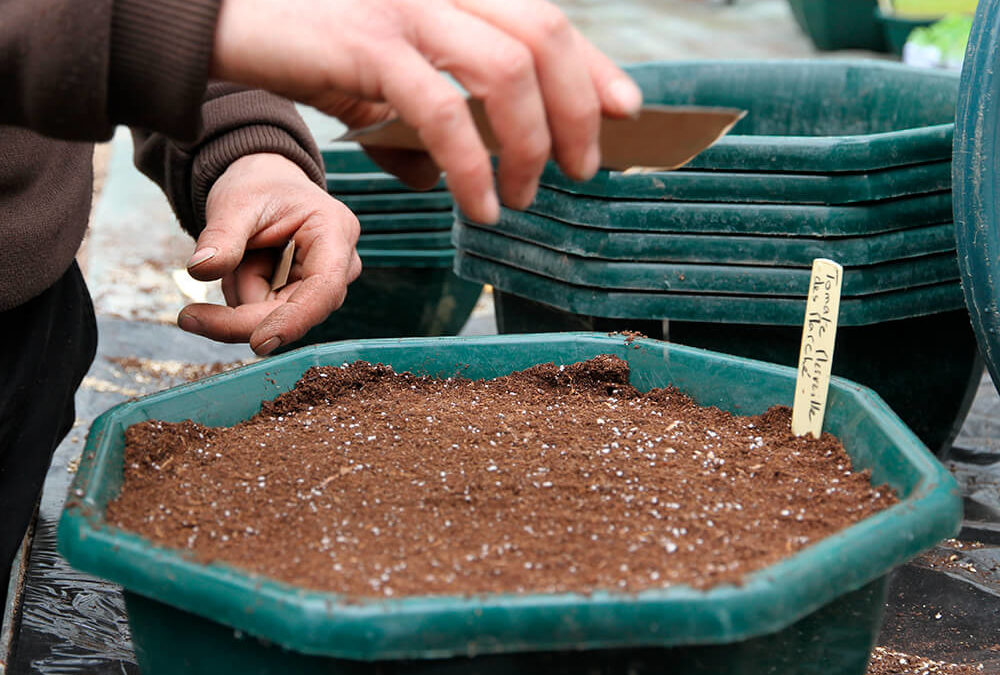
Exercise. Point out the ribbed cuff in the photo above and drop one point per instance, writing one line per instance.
(161, 51)
(214, 158)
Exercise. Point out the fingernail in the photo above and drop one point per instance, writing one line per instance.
(490, 207)
(626, 95)
(189, 323)
(268, 346)
(591, 162)
(201, 256)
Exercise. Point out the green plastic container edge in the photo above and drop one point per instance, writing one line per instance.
(321, 623)
(846, 153)
(379, 257)
(974, 177)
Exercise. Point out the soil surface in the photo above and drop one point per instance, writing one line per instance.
(889, 662)
(372, 483)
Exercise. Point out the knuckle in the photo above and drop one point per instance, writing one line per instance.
(446, 110)
(513, 63)
(584, 116)
(550, 22)
(470, 170)
(349, 223)
(535, 148)
(356, 267)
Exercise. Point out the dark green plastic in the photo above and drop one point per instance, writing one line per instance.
(405, 240)
(769, 601)
(342, 184)
(388, 202)
(741, 309)
(760, 188)
(817, 115)
(699, 278)
(834, 640)
(350, 171)
(977, 181)
(435, 258)
(897, 29)
(927, 369)
(723, 218)
(721, 249)
(348, 159)
(372, 223)
(839, 24)
(398, 301)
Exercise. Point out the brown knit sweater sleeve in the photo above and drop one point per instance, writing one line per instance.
(72, 70)
(235, 122)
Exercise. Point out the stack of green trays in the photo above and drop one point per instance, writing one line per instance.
(848, 160)
(407, 287)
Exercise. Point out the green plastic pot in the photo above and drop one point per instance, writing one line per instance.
(736, 309)
(816, 115)
(429, 221)
(669, 277)
(816, 612)
(756, 219)
(977, 181)
(350, 171)
(839, 24)
(897, 29)
(637, 245)
(928, 368)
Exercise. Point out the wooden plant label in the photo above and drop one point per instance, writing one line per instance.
(284, 266)
(819, 333)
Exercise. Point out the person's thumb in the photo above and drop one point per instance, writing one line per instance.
(219, 249)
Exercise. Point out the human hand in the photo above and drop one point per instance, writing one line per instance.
(543, 85)
(259, 203)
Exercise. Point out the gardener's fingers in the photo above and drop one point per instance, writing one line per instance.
(564, 71)
(226, 324)
(279, 318)
(308, 303)
(500, 70)
(413, 167)
(439, 112)
(251, 281)
(618, 93)
(571, 103)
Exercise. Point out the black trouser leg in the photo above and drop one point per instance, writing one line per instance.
(46, 347)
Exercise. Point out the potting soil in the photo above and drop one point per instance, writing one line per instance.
(369, 483)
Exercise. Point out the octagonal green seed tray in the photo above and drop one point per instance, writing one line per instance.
(169, 591)
(349, 170)
(811, 116)
(720, 249)
(388, 202)
(405, 240)
(427, 221)
(699, 278)
(731, 308)
(759, 188)
(725, 218)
